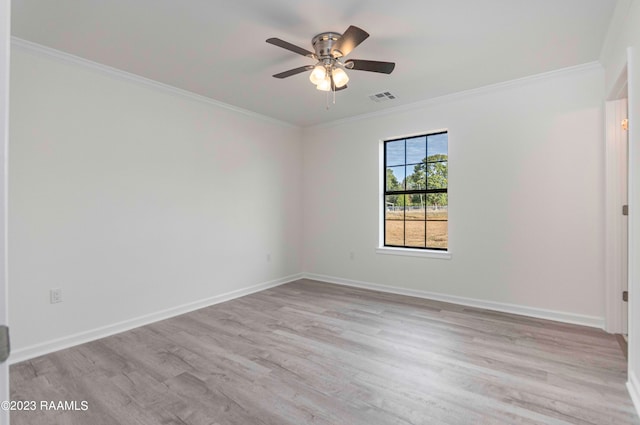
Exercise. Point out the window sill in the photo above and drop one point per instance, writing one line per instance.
(407, 252)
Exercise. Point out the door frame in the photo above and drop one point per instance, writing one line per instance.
(616, 190)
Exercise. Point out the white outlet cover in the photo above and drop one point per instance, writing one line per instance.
(55, 295)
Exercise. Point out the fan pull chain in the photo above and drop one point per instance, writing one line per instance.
(333, 92)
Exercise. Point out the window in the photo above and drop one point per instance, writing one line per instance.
(416, 192)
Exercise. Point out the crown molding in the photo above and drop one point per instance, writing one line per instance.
(32, 47)
(586, 67)
(36, 48)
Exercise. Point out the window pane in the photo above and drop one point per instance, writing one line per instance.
(438, 208)
(438, 144)
(394, 207)
(435, 201)
(415, 209)
(394, 219)
(438, 224)
(394, 232)
(414, 233)
(416, 150)
(395, 178)
(437, 175)
(416, 177)
(395, 153)
(437, 234)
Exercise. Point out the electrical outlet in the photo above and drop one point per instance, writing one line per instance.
(55, 295)
(268, 257)
(352, 255)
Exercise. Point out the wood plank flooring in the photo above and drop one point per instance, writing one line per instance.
(315, 353)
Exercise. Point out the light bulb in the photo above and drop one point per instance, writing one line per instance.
(324, 85)
(318, 74)
(340, 78)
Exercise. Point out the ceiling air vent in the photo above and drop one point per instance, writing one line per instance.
(382, 97)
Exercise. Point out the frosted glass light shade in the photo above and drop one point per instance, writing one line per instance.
(324, 85)
(318, 74)
(340, 78)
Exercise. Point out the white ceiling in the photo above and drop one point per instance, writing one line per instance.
(217, 48)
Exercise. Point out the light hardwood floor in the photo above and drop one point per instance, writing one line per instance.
(315, 353)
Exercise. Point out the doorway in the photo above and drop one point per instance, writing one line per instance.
(616, 210)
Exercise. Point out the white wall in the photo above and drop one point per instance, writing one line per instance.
(525, 196)
(5, 48)
(622, 49)
(134, 200)
(634, 217)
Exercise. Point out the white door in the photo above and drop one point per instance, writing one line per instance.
(625, 222)
(5, 45)
(616, 252)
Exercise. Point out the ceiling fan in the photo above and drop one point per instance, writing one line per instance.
(329, 50)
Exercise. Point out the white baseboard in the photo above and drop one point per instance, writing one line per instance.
(82, 337)
(633, 385)
(558, 316)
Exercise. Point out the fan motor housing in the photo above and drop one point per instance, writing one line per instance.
(322, 44)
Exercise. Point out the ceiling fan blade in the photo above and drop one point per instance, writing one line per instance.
(349, 40)
(372, 66)
(294, 71)
(291, 47)
(334, 88)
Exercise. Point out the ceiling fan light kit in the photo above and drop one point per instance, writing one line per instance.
(324, 85)
(340, 78)
(318, 74)
(328, 74)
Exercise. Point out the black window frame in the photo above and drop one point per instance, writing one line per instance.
(406, 191)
